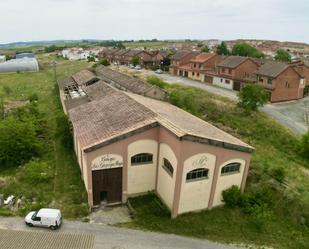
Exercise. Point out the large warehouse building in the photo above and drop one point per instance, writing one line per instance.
(128, 144)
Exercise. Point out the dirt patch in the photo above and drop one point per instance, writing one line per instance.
(8, 106)
(3, 182)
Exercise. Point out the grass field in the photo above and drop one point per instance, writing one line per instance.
(275, 166)
(65, 190)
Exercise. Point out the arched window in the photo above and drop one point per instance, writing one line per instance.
(231, 167)
(142, 158)
(168, 167)
(200, 173)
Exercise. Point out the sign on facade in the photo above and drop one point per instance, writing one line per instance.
(200, 162)
(108, 161)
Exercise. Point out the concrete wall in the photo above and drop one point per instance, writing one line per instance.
(120, 148)
(156, 93)
(178, 194)
(223, 84)
(166, 182)
(142, 177)
(195, 193)
(227, 180)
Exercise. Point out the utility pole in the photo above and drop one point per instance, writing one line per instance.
(55, 71)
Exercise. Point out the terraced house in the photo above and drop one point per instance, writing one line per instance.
(282, 81)
(200, 65)
(233, 72)
(179, 59)
(128, 144)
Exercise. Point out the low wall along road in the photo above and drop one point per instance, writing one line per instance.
(48, 240)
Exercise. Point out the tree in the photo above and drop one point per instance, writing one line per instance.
(252, 96)
(304, 145)
(103, 62)
(18, 141)
(222, 49)
(91, 59)
(244, 49)
(282, 55)
(135, 61)
(205, 49)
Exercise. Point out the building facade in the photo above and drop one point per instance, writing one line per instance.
(282, 81)
(128, 145)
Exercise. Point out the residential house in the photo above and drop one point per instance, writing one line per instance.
(199, 65)
(303, 69)
(233, 72)
(120, 56)
(160, 58)
(181, 58)
(281, 80)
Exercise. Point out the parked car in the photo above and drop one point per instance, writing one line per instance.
(131, 66)
(159, 71)
(45, 217)
(138, 67)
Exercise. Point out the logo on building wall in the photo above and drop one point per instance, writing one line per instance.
(108, 161)
(200, 162)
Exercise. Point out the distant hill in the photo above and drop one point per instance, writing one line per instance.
(43, 43)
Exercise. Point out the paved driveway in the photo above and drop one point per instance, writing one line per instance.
(289, 114)
(107, 237)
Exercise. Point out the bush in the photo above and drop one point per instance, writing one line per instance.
(186, 99)
(232, 197)
(18, 141)
(260, 216)
(278, 173)
(103, 62)
(7, 90)
(258, 196)
(36, 172)
(91, 59)
(153, 80)
(154, 68)
(304, 145)
(252, 96)
(33, 97)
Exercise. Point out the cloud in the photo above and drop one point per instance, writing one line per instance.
(162, 19)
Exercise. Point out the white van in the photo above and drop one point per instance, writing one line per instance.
(45, 217)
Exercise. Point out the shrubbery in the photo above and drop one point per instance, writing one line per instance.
(19, 140)
(103, 62)
(37, 172)
(254, 203)
(304, 145)
(252, 96)
(153, 80)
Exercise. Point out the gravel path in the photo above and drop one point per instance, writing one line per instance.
(106, 237)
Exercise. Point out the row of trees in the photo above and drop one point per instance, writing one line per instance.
(241, 49)
(244, 49)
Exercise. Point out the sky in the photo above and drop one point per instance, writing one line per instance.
(34, 20)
